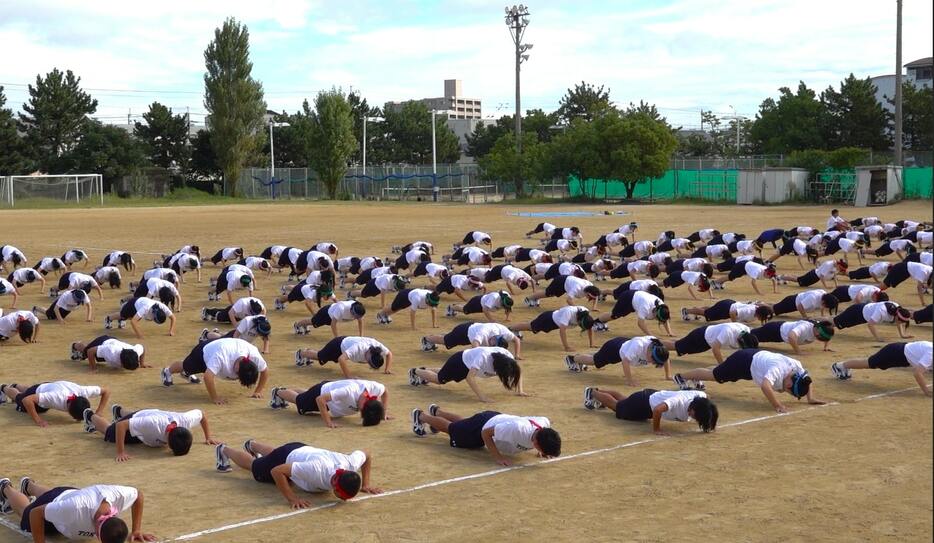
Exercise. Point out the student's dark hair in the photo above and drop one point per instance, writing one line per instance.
(703, 284)
(114, 530)
(158, 315)
(705, 413)
(585, 320)
(262, 325)
(764, 313)
(25, 330)
(79, 295)
(375, 360)
(372, 412)
(350, 482)
(800, 385)
(811, 253)
(577, 272)
(823, 329)
(707, 269)
(880, 296)
(831, 302)
(903, 314)
(549, 441)
(180, 441)
(195, 250)
(57, 264)
(834, 211)
(113, 279)
(575, 229)
(166, 296)
(129, 359)
(126, 260)
(656, 291)
(327, 277)
(592, 291)
(256, 308)
(507, 369)
(659, 353)
(86, 286)
(77, 406)
(746, 340)
(662, 313)
(323, 262)
(653, 270)
(247, 372)
(358, 309)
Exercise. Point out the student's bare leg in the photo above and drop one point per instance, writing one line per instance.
(214, 335)
(438, 423)
(309, 353)
(79, 346)
(448, 416)
(303, 323)
(696, 310)
(521, 326)
(240, 457)
(607, 399)
(176, 367)
(262, 448)
(288, 394)
(435, 338)
(699, 374)
(17, 500)
(100, 423)
(35, 489)
(855, 364)
(430, 375)
(583, 359)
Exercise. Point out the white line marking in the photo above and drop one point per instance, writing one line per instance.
(883, 394)
(15, 527)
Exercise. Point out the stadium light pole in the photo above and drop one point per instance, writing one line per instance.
(365, 119)
(434, 160)
(736, 119)
(272, 153)
(898, 83)
(517, 19)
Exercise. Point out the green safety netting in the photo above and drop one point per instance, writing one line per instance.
(918, 182)
(702, 184)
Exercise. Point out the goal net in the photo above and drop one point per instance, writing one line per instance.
(77, 188)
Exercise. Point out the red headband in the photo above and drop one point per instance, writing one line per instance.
(71, 398)
(339, 491)
(172, 426)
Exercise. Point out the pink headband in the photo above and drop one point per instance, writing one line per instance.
(104, 518)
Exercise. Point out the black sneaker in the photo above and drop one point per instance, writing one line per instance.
(116, 412)
(5, 506)
(418, 428)
(24, 486)
(86, 416)
(222, 461)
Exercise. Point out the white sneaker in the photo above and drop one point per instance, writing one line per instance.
(418, 428)
(75, 353)
(298, 329)
(428, 346)
(166, 377)
(222, 462)
(108, 323)
(193, 379)
(449, 312)
(279, 305)
(684, 314)
(5, 506)
(204, 314)
(299, 359)
(121, 324)
(840, 372)
(116, 412)
(275, 401)
(573, 366)
(204, 335)
(86, 416)
(589, 401)
(414, 379)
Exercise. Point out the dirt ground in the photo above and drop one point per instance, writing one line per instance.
(852, 470)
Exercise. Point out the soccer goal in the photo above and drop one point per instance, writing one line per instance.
(78, 188)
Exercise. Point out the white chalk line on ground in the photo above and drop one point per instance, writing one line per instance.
(498, 471)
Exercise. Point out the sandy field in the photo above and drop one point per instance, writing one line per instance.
(857, 469)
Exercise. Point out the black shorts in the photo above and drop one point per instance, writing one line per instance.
(808, 279)
(850, 317)
(445, 286)
(673, 280)
(23, 395)
(96, 342)
(467, 433)
(609, 352)
(370, 289)
(624, 287)
(623, 305)
(555, 289)
(770, 332)
(262, 467)
(636, 406)
(842, 293)
(726, 265)
(63, 280)
(522, 255)
(628, 251)
(495, 273)
(545, 322)
(675, 266)
(306, 402)
(736, 367)
(788, 247)
(859, 273)
(50, 312)
(141, 290)
(194, 362)
(401, 301)
(738, 270)
(321, 317)
(890, 356)
(44, 499)
(897, 275)
(453, 369)
(331, 350)
(551, 246)
(128, 310)
(110, 435)
(458, 335)
(693, 343)
(553, 271)
(221, 284)
(923, 315)
(788, 304)
(223, 315)
(473, 305)
(284, 259)
(295, 295)
(719, 311)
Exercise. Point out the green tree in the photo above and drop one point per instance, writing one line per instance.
(853, 118)
(917, 117)
(165, 137)
(543, 125)
(54, 118)
(481, 140)
(108, 150)
(504, 163)
(331, 138)
(574, 153)
(584, 101)
(290, 140)
(234, 101)
(634, 148)
(359, 108)
(203, 165)
(406, 136)
(14, 159)
(792, 123)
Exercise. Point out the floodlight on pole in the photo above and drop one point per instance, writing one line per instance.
(365, 119)
(736, 119)
(272, 153)
(517, 19)
(434, 160)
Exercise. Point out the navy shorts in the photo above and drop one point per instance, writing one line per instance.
(545, 322)
(128, 310)
(719, 311)
(736, 367)
(467, 433)
(609, 352)
(673, 280)
(842, 293)
(50, 312)
(445, 286)
(458, 335)
(675, 266)
(623, 305)
(110, 435)
(331, 350)
(786, 305)
(262, 467)
(636, 406)
(859, 273)
(295, 295)
(495, 273)
(401, 301)
(96, 342)
(453, 369)
(473, 305)
(555, 289)
(370, 289)
(44, 499)
(23, 395)
(770, 332)
(306, 402)
(897, 275)
(523, 255)
(808, 279)
(621, 289)
(321, 317)
(693, 343)
(194, 362)
(738, 270)
(923, 315)
(850, 317)
(890, 356)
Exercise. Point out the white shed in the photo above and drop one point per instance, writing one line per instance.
(878, 185)
(770, 185)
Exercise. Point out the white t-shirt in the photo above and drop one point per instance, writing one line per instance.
(312, 468)
(418, 297)
(47, 264)
(755, 270)
(314, 278)
(77, 280)
(744, 312)
(876, 313)
(537, 255)
(478, 273)
(567, 268)
(643, 247)
(627, 229)
(72, 512)
(832, 222)
(746, 247)
(927, 258)
(24, 275)
(254, 262)
(221, 354)
(567, 315)
(74, 255)
(678, 402)
(228, 253)
(799, 247)
(341, 311)
(810, 300)
(513, 274)
(634, 350)
(346, 393)
(706, 234)
(640, 267)
(513, 435)
(847, 245)
(160, 273)
(111, 349)
(481, 359)
(233, 280)
(773, 367)
(564, 245)
(644, 304)
(385, 282)
(241, 307)
(479, 237)
(900, 244)
(483, 332)
(55, 395)
(461, 282)
(8, 287)
(145, 306)
(827, 270)
(155, 284)
(511, 250)
(880, 269)
(920, 272)
(874, 231)
(247, 328)
(804, 330)
(356, 347)
(658, 258)
(475, 255)
(103, 274)
(615, 238)
(692, 278)
(314, 256)
(729, 237)
(114, 258)
(9, 251)
(326, 247)
(918, 354)
(434, 270)
(680, 243)
(716, 251)
(493, 300)
(574, 286)
(695, 264)
(149, 425)
(726, 334)
(10, 321)
(67, 302)
(309, 292)
(567, 233)
(866, 291)
(293, 254)
(642, 284)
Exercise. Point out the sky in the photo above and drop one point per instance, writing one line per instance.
(682, 55)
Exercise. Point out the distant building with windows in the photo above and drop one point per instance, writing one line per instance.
(462, 114)
(918, 72)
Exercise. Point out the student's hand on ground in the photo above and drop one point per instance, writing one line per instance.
(662, 433)
(524, 394)
(503, 461)
(142, 537)
(211, 441)
(171, 333)
(781, 409)
(332, 424)
(387, 372)
(372, 490)
(634, 383)
(220, 401)
(122, 457)
(299, 504)
(815, 401)
(387, 417)
(256, 395)
(42, 424)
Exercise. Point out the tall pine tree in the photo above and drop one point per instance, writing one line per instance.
(13, 156)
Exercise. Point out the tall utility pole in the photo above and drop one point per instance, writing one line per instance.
(898, 83)
(517, 19)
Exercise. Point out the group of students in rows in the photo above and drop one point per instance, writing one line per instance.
(493, 348)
